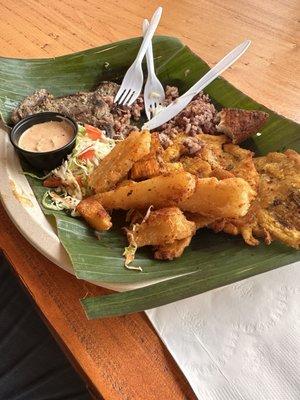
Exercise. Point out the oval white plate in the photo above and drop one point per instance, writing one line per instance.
(28, 216)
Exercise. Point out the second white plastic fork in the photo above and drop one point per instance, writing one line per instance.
(154, 94)
(132, 83)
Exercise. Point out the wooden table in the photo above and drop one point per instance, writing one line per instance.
(123, 358)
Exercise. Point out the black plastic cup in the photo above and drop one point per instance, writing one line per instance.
(43, 160)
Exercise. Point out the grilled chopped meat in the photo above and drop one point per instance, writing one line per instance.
(198, 116)
(87, 108)
(239, 125)
(94, 108)
(165, 140)
(108, 88)
(39, 101)
(193, 145)
(171, 94)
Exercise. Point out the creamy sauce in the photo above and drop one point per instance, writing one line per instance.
(46, 136)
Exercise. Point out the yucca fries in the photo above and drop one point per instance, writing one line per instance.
(228, 198)
(115, 166)
(172, 250)
(160, 191)
(153, 164)
(201, 221)
(173, 192)
(95, 215)
(162, 226)
(149, 165)
(145, 169)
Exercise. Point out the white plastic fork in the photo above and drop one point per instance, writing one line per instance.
(154, 94)
(181, 102)
(132, 83)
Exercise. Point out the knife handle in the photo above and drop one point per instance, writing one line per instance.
(220, 67)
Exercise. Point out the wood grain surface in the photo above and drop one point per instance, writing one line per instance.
(122, 357)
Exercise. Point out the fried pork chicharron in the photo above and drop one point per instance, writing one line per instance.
(239, 125)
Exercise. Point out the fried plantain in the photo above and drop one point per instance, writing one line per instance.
(220, 159)
(275, 214)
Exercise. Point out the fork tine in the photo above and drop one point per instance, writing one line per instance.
(151, 110)
(127, 101)
(133, 98)
(123, 97)
(154, 111)
(119, 94)
(148, 111)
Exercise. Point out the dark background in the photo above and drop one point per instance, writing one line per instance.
(32, 366)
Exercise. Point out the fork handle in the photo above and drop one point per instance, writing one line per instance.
(149, 52)
(149, 35)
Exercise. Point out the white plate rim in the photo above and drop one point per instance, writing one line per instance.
(29, 218)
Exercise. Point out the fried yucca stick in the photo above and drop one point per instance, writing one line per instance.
(201, 221)
(228, 198)
(161, 227)
(153, 164)
(172, 250)
(160, 191)
(152, 167)
(95, 215)
(145, 169)
(120, 160)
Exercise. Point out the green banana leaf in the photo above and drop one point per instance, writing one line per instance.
(212, 260)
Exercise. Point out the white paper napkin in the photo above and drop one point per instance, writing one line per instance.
(241, 341)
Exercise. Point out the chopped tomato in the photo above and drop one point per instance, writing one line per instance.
(79, 180)
(52, 182)
(87, 155)
(93, 133)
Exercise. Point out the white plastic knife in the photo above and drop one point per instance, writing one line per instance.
(181, 102)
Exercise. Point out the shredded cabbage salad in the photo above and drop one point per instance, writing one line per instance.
(69, 182)
(129, 251)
